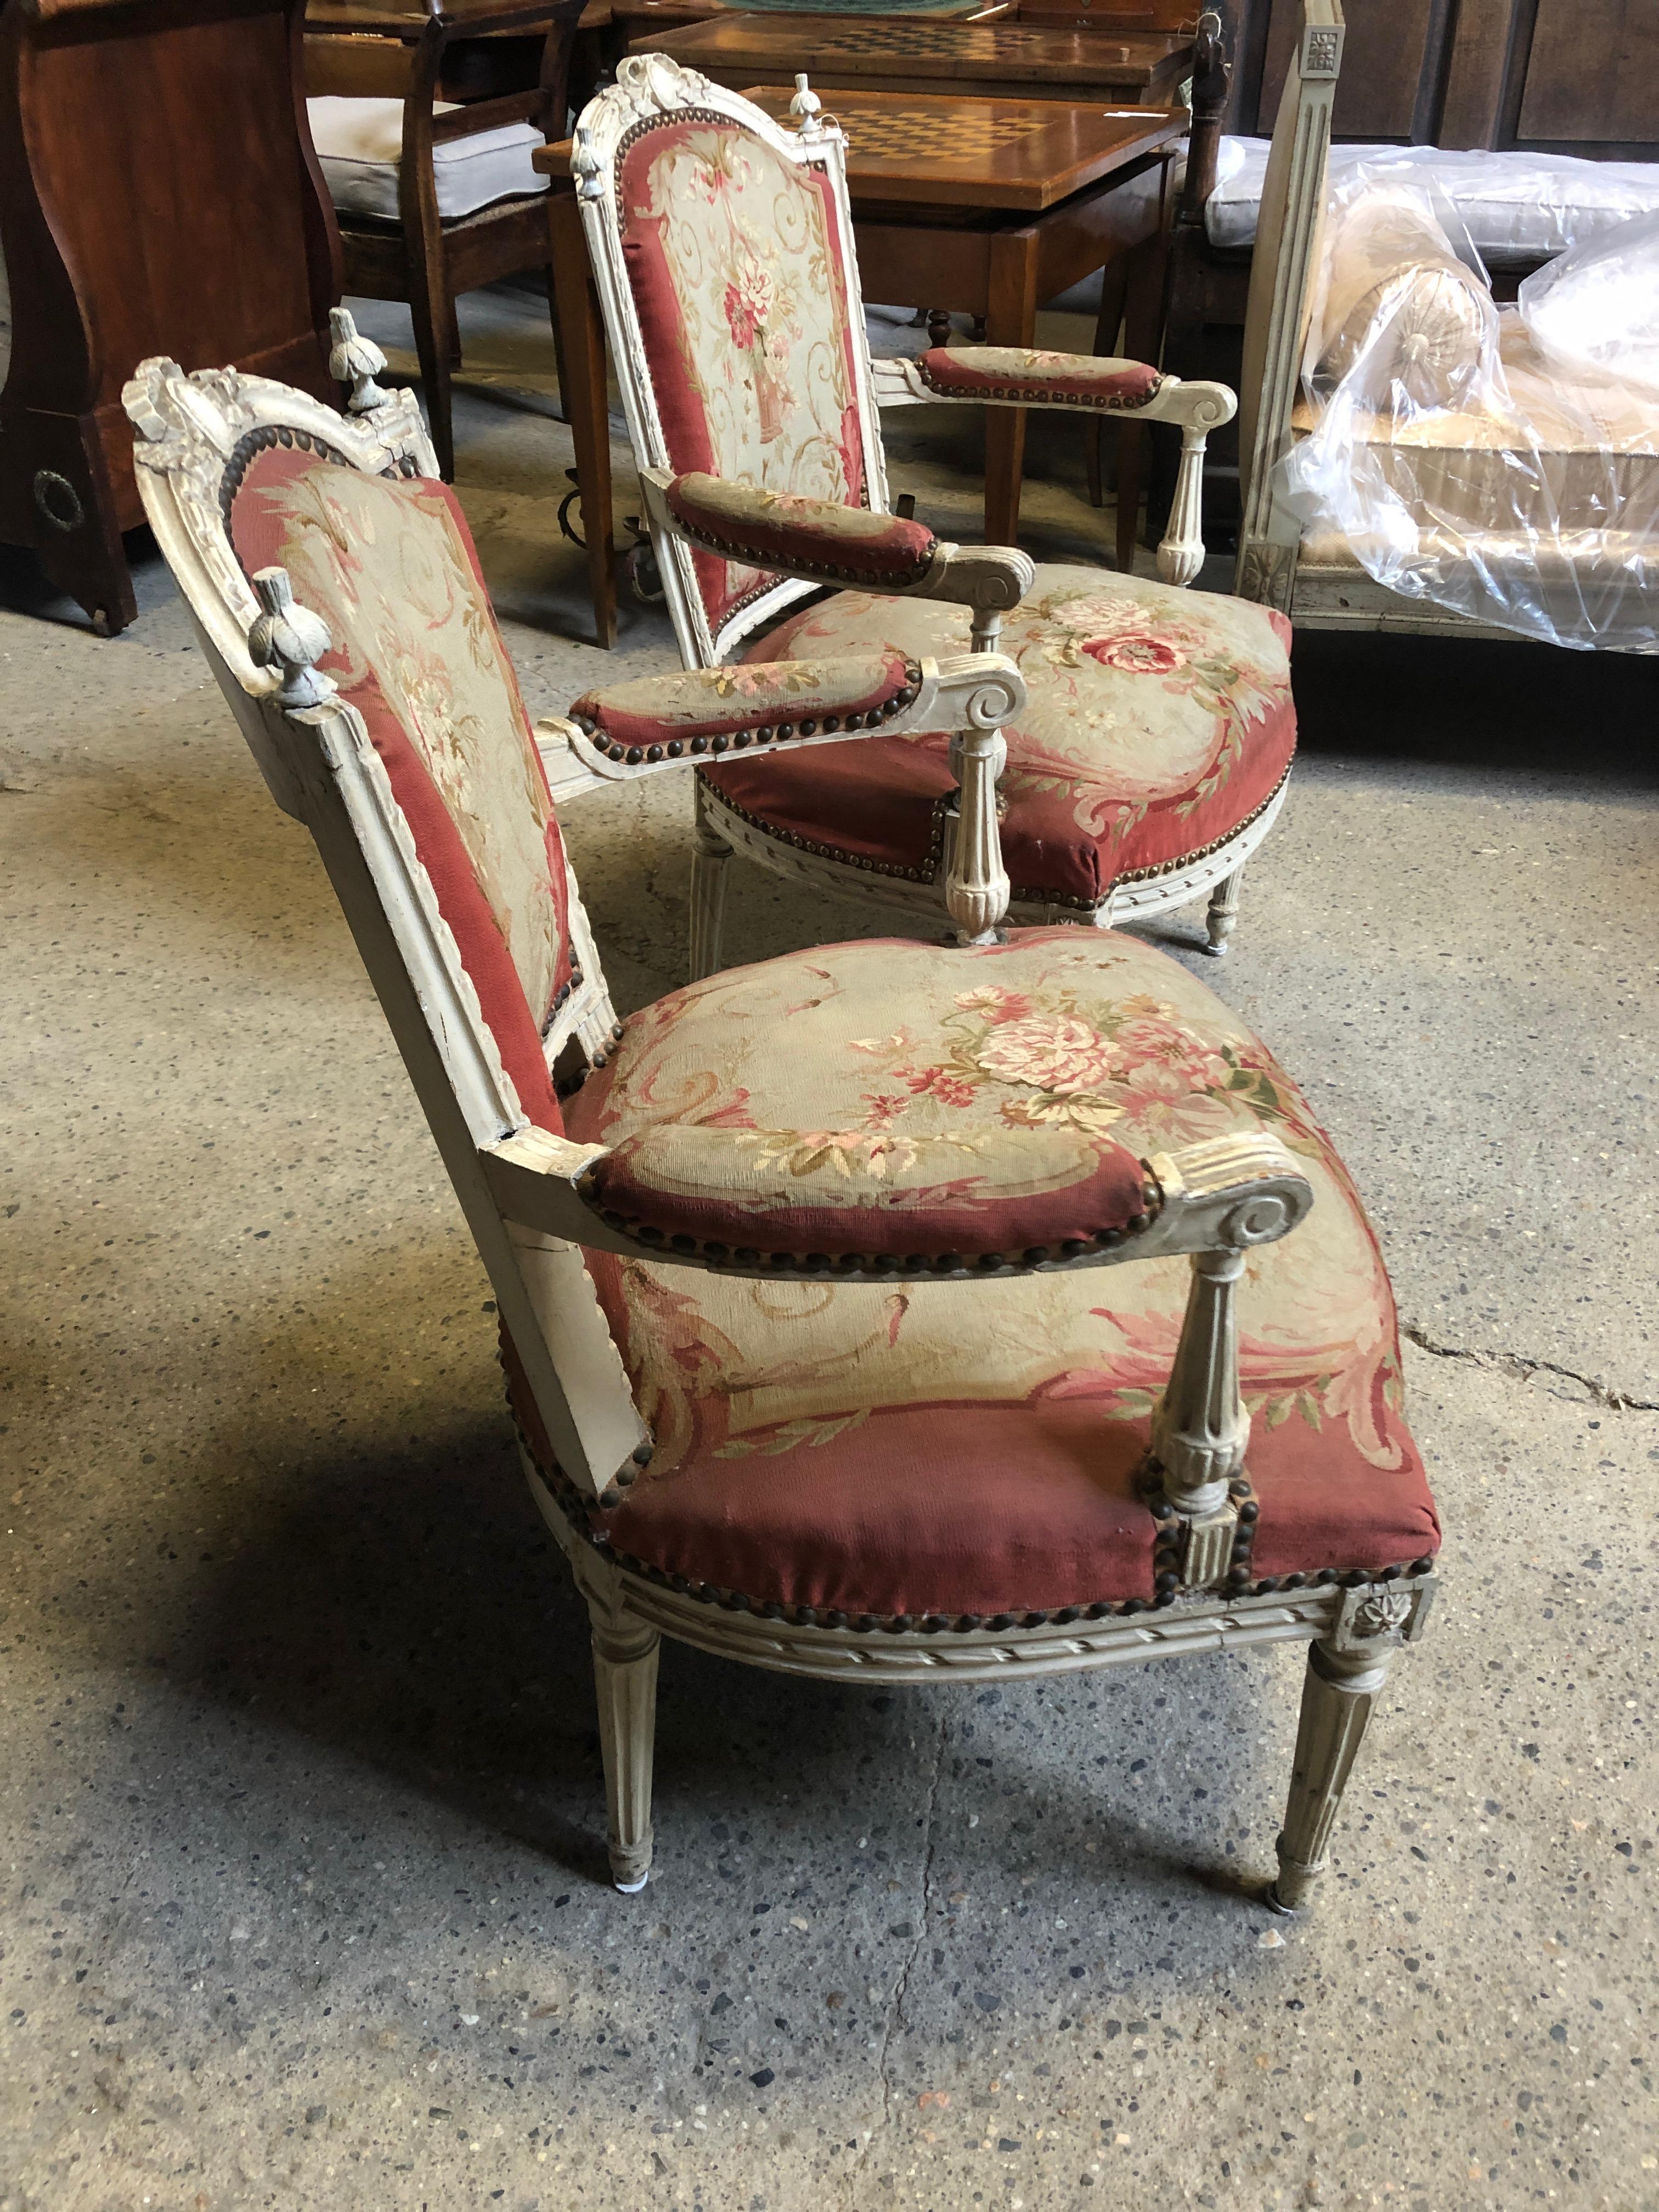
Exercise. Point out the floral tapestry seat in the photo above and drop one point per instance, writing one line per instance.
(880, 1444)
(1160, 724)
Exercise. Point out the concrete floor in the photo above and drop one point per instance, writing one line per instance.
(300, 1818)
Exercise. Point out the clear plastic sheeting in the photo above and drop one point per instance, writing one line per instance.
(1517, 208)
(1501, 462)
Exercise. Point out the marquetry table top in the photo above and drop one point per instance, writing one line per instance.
(945, 149)
(870, 48)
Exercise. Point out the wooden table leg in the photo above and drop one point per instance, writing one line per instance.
(1148, 265)
(1010, 320)
(576, 307)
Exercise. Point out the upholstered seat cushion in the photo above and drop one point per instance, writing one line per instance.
(360, 143)
(1520, 208)
(1159, 722)
(944, 1450)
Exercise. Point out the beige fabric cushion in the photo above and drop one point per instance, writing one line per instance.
(360, 143)
(1399, 308)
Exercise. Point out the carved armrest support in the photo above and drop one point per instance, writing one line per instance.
(1219, 1200)
(1015, 376)
(821, 541)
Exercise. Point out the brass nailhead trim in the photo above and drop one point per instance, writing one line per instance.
(733, 548)
(928, 871)
(1034, 395)
(760, 733)
(581, 1514)
(1061, 1253)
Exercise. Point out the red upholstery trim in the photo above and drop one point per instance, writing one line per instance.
(1084, 1214)
(803, 534)
(956, 375)
(634, 735)
(969, 1512)
(256, 534)
(877, 805)
(679, 407)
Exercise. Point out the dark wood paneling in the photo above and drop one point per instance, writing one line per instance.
(1392, 67)
(1592, 75)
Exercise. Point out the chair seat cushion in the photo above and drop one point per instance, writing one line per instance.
(1520, 208)
(360, 143)
(948, 1450)
(1159, 722)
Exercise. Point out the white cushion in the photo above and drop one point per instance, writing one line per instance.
(360, 143)
(1517, 207)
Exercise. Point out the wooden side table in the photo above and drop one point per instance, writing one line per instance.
(987, 206)
(158, 194)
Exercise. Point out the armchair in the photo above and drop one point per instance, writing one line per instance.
(842, 1304)
(1151, 755)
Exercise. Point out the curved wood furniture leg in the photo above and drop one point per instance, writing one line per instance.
(711, 861)
(1338, 1690)
(625, 1682)
(1223, 912)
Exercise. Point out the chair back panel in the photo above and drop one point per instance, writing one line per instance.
(389, 564)
(734, 313)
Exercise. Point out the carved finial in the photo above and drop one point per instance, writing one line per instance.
(804, 107)
(357, 361)
(288, 636)
(585, 166)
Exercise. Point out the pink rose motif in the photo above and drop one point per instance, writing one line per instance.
(748, 306)
(939, 1083)
(1135, 656)
(1049, 1051)
(995, 1004)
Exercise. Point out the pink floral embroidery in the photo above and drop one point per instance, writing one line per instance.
(995, 1003)
(939, 1083)
(1052, 1053)
(1135, 656)
(748, 305)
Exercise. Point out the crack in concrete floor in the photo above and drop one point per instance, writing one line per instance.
(1521, 1368)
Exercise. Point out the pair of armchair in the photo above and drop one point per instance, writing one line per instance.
(889, 1311)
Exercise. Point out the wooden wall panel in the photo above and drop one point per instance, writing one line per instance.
(1592, 78)
(1392, 65)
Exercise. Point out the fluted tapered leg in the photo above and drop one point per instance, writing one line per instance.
(1338, 1690)
(1223, 911)
(711, 858)
(625, 1681)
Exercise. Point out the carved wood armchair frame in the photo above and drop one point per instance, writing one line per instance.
(527, 1195)
(992, 581)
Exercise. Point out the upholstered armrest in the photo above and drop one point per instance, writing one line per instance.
(1022, 376)
(822, 543)
(764, 1203)
(1025, 376)
(618, 731)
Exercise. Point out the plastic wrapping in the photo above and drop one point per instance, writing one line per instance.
(1501, 462)
(1517, 208)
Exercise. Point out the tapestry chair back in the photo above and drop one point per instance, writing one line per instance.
(387, 717)
(730, 273)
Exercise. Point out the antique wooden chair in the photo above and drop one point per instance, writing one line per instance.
(1151, 758)
(802, 1270)
(435, 199)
